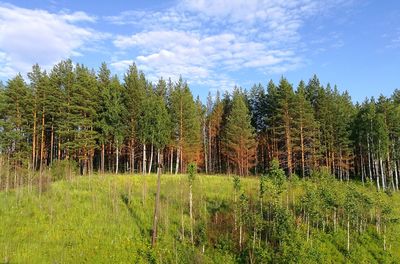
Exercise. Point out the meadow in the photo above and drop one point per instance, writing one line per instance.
(108, 219)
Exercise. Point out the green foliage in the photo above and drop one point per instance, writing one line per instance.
(102, 219)
(239, 134)
(154, 123)
(62, 169)
(72, 120)
(191, 170)
(186, 125)
(236, 183)
(263, 187)
(277, 175)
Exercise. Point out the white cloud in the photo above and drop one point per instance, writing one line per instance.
(5, 68)
(78, 16)
(36, 36)
(201, 38)
(198, 57)
(394, 39)
(121, 65)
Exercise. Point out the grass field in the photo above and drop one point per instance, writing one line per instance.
(107, 219)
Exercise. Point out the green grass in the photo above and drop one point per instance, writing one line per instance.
(102, 219)
(107, 219)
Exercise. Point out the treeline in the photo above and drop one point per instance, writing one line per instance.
(105, 124)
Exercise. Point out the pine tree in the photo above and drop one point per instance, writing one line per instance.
(160, 122)
(55, 104)
(133, 96)
(312, 91)
(186, 125)
(153, 122)
(285, 124)
(258, 108)
(16, 129)
(114, 116)
(82, 117)
(39, 84)
(304, 131)
(63, 78)
(215, 134)
(103, 126)
(18, 112)
(239, 135)
(271, 121)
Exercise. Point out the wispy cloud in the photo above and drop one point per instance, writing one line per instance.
(201, 38)
(30, 36)
(208, 42)
(394, 40)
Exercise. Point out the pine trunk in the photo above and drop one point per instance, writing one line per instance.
(191, 213)
(302, 151)
(348, 233)
(117, 158)
(205, 148)
(151, 158)
(396, 177)
(102, 158)
(34, 142)
(52, 144)
(144, 159)
(177, 160)
(132, 156)
(157, 204)
(42, 144)
(382, 173)
(171, 160)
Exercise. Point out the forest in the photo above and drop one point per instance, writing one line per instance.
(103, 124)
(278, 173)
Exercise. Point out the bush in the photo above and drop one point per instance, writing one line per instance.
(63, 169)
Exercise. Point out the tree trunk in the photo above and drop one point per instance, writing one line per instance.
(377, 176)
(362, 169)
(151, 158)
(205, 147)
(369, 160)
(52, 144)
(308, 227)
(348, 233)
(171, 160)
(132, 156)
(390, 171)
(288, 143)
(302, 151)
(191, 212)
(396, 177)
(384, 237)
(157, 204)
(34, 142)
(102, 158)
(59, 148)
(8, 173)
(382, 173)
(117, 157)
(210, 160)
(144, 159)
(42, 144)
(240, 236)
(177, 160)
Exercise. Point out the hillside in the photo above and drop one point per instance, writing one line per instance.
(108, 219)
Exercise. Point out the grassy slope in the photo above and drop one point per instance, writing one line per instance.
(103, 219)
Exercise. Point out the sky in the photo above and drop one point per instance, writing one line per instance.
(213, 44)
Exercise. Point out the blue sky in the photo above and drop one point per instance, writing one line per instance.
(213, 44)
